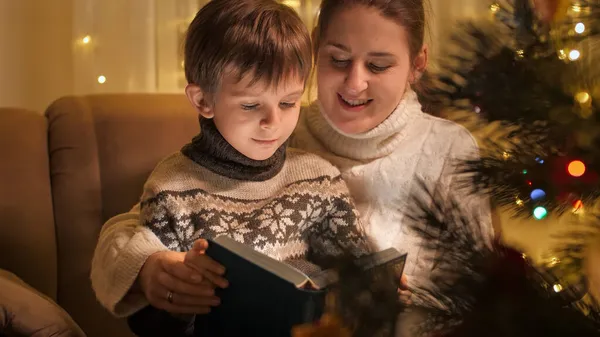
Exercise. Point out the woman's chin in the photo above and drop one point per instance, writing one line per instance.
(352, 126)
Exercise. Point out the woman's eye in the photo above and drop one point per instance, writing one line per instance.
(339, 62)
(249, 106)
(377, 69)
(287, 105)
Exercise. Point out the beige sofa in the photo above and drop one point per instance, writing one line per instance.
(64, 173)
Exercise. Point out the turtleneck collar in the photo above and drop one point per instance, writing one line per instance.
(211, 150)
(375, 143)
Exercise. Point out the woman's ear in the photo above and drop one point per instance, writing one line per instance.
(419, 65)
(199, 100)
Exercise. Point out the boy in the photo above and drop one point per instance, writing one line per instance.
(247, 62)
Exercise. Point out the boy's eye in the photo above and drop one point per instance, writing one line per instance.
(287, 105)
(339, 62)
(377, 69)
(249, 106)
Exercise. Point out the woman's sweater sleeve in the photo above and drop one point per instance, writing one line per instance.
(122, 249)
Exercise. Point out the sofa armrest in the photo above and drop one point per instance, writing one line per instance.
(25, 311)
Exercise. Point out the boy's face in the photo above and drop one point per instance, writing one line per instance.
(255, 119)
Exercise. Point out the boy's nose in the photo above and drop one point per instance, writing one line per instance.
(271, 119)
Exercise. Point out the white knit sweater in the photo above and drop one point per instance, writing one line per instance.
(380, 167)
(383, 166)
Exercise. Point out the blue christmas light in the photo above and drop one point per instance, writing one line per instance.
(537, 194)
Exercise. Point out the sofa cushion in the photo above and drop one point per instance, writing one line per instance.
(102, 149)
(27, 234)
(24, 311)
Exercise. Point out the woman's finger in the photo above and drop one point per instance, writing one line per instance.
(208, 267)
(181, 303)
(171, 283)
(183, 272)
(201, 261)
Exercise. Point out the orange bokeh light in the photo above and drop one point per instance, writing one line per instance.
(576, 168)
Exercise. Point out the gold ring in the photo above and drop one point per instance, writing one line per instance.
(170, 296)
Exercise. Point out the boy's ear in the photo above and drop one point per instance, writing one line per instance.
(199, 100)
(419, 65)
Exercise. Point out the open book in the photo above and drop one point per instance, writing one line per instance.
(317, 281)
(267, 297)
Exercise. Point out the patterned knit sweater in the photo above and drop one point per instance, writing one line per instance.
(276, 206)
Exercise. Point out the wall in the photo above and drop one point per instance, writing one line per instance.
(35, 52)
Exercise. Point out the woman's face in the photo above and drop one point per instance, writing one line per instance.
(363, 68)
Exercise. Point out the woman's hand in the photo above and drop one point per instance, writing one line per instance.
(403, 291)
(172, 285)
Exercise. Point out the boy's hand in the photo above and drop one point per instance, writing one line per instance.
(209, 269)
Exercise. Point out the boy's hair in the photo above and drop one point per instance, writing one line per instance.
(258, 36)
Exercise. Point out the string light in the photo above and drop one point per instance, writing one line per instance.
(537, 194)
(576, 8)
(578, 205)
(579, 28)
(524, 171)
(553, 261)
(518, 200)
(582, 97)
(562, 55)
(505, 155)
(576, 168)
(574, 54)
(520, 53)
(86, 39)
(540, 212)
(494, 7)
(101, 79)
(557, 288)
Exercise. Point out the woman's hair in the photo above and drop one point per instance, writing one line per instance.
(409, 14)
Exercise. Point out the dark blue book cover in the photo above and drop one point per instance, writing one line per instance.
(266, 297)
(258, 301)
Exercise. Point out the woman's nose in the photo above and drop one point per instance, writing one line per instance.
(356, 80)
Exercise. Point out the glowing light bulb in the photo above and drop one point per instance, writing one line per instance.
(86, 39)
(494, 7)
(574, 54)
(579, 28)
(576, 168)
(520, 53)
(537, 194)
(557, 288)
(540, 212)
(101, 79)
(562, 55)
(582, 97)
(519, 202)
(576, 8)
(505, 155)
(524, 171)
(577, 205)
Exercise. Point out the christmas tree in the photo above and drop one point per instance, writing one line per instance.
(532, 74)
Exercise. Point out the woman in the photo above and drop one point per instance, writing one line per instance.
(367, 121)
